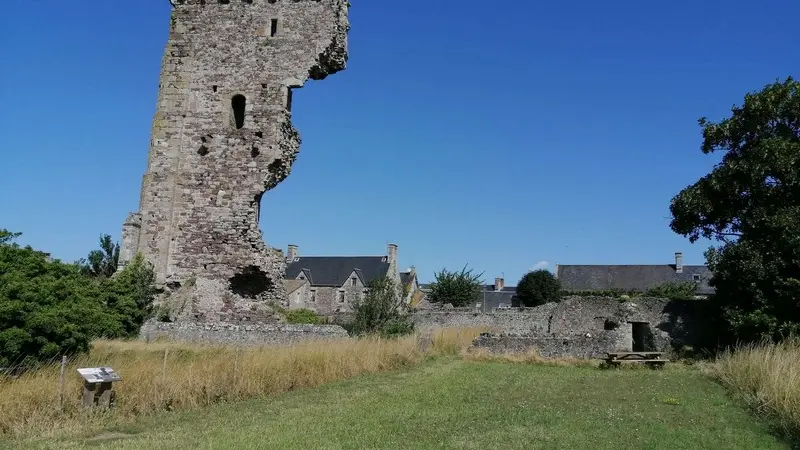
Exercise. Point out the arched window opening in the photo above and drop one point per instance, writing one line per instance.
(238, 104)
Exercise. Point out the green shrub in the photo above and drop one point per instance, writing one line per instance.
(457, 288)
(399, 326)
(303, 316)
(673, 291)
(380, 311)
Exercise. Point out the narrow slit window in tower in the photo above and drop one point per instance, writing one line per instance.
(273, 27)
(238, 104)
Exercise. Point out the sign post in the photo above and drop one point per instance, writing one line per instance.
(97, 386)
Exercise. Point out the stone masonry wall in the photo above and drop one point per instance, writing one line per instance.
(529, 321)
(672, 323)
(259, 334)
(222, 136)
(586, 346)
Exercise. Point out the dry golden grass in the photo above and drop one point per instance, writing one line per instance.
(198, 375)
(767, 378)
(451, 341)
(195, 376)
(529, 357)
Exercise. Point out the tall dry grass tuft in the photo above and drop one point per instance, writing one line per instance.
(451, 341)
(195, 376)
(200, 375)
(767, 377)
(529, 357)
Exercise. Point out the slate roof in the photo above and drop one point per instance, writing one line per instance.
(630, 277)
(335, 270)
(493, 299)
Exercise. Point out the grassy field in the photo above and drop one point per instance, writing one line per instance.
(448, 402)
(172, 376)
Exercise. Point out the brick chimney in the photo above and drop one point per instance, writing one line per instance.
(391, 254)
(294, 252)
(499, 284)
(678, 262)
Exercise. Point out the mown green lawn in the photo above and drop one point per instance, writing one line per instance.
(450, 403)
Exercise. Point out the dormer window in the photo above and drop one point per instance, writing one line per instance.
(353, 281)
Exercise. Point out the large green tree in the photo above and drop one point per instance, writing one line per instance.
(47, 308)
(50, 308)
(750, 205)
(538, 287)
(457, 288)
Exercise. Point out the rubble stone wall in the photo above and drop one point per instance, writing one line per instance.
(256, 334)
(670, 323)
(588, 346)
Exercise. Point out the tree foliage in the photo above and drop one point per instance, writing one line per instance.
(49, 308)
(457, 288)
(538, 287)
(102, 262)
(381, 311)
(750, 205)
(130, 294)
(673, 290)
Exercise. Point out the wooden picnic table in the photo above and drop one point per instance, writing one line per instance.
(652, 359)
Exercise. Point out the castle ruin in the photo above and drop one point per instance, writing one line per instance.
(222, 136)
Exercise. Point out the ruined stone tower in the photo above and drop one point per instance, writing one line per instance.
(222, 136)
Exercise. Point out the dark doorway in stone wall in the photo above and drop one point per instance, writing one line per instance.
(643, 340)
(250, 283)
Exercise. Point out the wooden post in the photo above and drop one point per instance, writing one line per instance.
(61, 381)
(98, 395)
(235, 365)
(89, 390)
(105, 394)
(164, 368)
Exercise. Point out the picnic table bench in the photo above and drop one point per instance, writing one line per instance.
(652, 359)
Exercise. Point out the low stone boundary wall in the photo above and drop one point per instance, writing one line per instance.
(585, 346)
(515, 321)
(255, 334)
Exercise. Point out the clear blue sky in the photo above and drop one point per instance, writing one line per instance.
(497, 135)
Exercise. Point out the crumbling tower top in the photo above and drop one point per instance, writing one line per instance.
(222, 136)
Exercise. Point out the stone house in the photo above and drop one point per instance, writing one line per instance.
(633, 278)
(330, 284)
